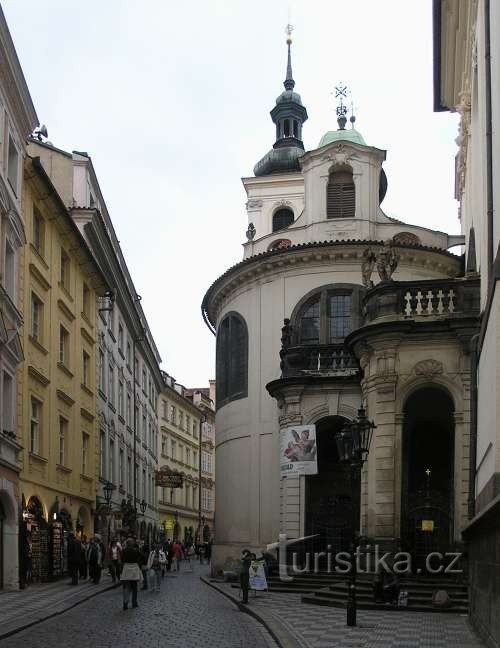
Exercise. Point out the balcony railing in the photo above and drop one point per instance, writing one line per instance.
(422, 299)
(324, 360)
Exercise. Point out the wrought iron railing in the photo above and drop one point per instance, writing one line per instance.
(325, 359)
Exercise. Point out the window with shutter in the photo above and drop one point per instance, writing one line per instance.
(231, 359)
(340, 195)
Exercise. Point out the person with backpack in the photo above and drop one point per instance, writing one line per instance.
(156, 563)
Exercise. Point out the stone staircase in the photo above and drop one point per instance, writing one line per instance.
(331, 590)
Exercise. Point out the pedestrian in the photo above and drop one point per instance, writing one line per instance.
(176, 556)
(169, 552)
(74, 557)
(246, 560)
(208, 550)
(144, 550)
(131, 572)
(156, 562)
(83, 558)
(95, 556)
(113, 556)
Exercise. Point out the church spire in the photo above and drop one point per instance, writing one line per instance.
(289, 82)
(288, 116)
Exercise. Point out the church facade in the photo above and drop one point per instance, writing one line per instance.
(336, 306)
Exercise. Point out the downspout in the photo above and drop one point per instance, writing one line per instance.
(471, 501)
(489, 139)
(135, 429)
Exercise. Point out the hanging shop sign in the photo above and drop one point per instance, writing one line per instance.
(298, 450)
(167, 478)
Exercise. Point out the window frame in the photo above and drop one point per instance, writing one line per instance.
(343, 169)
(225, 359)
(354, 290)
(280, 210)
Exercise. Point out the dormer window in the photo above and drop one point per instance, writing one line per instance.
(282, 218)
(340, 194)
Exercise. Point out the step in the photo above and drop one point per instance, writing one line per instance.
(340, 602)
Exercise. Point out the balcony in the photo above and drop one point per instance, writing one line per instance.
(427, 299)
(317, 360)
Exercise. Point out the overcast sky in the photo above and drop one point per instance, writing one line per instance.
(172, 100)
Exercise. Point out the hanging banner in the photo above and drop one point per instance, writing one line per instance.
(257, 575)
(298, 450)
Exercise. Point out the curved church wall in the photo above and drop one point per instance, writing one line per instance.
(247, 442)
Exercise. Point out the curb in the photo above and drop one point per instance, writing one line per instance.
(9, 633)
(277, 631)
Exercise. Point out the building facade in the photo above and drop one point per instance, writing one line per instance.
(204, 399)
(179, 453)
(337, 306)
(467, 81)
(17, 121)
(57, 422)
(127, 360)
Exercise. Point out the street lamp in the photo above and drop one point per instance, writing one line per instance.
(353, 445)
(108, 489)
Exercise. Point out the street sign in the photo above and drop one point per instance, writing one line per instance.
(166, 478)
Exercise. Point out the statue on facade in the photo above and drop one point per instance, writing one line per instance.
(387, 262)
(251, 232)
(286, 340)
(367, 266)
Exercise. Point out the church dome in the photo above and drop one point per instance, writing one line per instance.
(289, 96)
(346, 135)
(284, 159)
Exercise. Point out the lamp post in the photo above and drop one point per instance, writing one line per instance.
(108, 489)
(353, 445)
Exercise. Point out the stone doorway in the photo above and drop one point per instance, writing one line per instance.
(428, 474)
(328, 494)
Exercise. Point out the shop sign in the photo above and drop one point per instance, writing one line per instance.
(169, 479)
(428, 525)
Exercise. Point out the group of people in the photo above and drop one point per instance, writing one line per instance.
(132, 563)
(85, 558)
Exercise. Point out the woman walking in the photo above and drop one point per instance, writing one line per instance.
(156, 563)
(131, 572)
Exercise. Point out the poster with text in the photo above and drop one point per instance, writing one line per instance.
(298, 451)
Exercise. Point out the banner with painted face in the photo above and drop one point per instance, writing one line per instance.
(298, 450)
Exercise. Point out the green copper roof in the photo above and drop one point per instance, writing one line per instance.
(349, 135)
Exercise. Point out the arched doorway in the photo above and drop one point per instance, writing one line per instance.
(329, 493)
(427, 473)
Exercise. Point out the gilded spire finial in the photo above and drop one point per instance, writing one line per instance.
(289, 82)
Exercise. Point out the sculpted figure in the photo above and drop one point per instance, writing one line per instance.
(387, 262)
(367, 267)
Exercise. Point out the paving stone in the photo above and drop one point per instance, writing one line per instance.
(185, 614)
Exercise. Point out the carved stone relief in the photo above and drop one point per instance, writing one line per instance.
(428, 368)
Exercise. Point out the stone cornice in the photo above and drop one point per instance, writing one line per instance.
(38, 376)
(324, 253)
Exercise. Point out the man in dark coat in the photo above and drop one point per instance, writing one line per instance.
(74, 557)
(246, 559)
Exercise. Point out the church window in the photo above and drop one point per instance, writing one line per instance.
(231, 359)
(282, 218)
(328, 315)
(340, 194)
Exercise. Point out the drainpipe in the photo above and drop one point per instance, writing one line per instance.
(471, 501)
(489, 143)
(135, 432)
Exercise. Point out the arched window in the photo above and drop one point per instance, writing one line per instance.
(282, 218)
(231, 359)
(340, 194)
(328, 315)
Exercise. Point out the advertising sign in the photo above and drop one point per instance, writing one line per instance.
(168, 479)
(257, 575)
(298, 450)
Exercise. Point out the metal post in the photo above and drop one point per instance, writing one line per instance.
(351, 593)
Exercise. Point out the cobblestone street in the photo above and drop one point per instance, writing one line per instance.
(186, 614)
